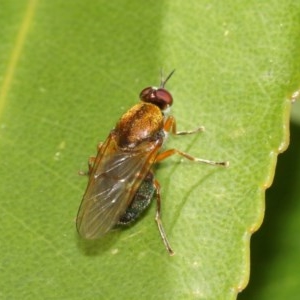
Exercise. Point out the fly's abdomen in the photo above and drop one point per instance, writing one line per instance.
(140, 202)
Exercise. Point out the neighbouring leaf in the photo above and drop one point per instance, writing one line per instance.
(70, 69)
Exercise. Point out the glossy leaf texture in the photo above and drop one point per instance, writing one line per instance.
(70, 69)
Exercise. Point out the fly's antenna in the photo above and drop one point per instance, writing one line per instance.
(163, 82)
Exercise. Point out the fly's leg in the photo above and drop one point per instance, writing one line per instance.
(170, 125)
(99, 146)
(158, 218)
(171, 152)
(141, 201)
(91, 163)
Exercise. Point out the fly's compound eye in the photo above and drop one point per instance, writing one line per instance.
(157, 96)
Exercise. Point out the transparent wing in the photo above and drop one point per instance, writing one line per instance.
(114, 180)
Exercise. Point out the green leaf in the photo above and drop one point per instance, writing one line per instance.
(275, 248)
(71, 69)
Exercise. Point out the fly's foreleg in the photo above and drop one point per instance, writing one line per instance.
(170, 126)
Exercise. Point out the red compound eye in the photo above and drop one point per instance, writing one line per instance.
(157, 96)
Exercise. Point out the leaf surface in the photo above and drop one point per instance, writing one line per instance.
(71, 69)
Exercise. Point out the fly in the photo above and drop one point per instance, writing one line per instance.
(121, 180)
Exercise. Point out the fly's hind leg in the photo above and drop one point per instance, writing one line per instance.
(158, 218)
